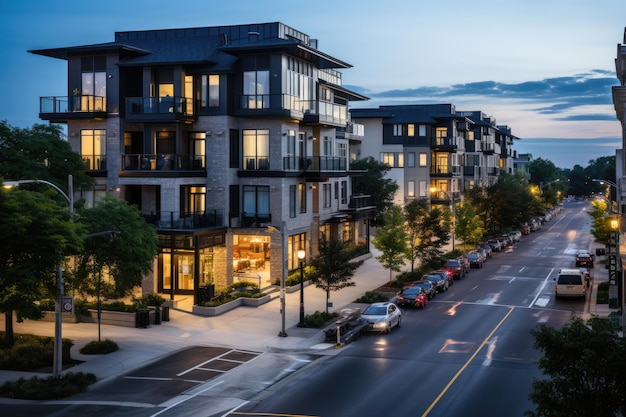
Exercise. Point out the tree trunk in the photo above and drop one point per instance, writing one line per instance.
(9, 338)
(327, 298)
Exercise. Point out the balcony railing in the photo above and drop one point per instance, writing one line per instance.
(95, 162)
(451, 142)
(160, 108)
(315, 163)
(78, 106)
(255, 219)
(162, 162)
(360, 201)
(164, 220)
(325, 112)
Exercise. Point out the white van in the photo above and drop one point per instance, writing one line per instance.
(570, 282)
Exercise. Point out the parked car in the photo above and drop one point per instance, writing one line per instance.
(570, 283)
(448, 275)
(455, 267)
(495, 244)
(428, 287)
(439, 281)
(525, 229)
(382, 317)
(465, 263)
(584, 259)
(488, 251)
(483, 253)
(412, 297)
(475, 259)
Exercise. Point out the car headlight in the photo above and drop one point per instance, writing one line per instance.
(380, 325)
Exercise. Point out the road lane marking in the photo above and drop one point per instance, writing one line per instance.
(545, 282)
(466, 364)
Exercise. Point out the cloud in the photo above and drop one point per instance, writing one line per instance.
(568, 98)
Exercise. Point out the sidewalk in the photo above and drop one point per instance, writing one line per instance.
(249, 328)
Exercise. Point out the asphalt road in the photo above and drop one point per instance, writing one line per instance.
(470, 352)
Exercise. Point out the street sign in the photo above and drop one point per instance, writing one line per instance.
(67, 304)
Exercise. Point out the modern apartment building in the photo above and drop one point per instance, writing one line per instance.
(619, 101)
(233, 141)
(434, 151)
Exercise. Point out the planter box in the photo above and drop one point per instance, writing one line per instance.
(65, 317)
(223, 308)
(296, 287)
(116, 318)
(216, 311)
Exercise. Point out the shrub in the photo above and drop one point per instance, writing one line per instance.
(31, 353)
(47, 305)
(319, 319)
(49, 388)
(146, 300)
(99, 347)
(372, 297)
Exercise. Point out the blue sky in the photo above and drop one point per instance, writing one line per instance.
(545, 68)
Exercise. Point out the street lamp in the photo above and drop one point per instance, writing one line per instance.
(452, 210)
(301, 255)
(283, 246)
(612, 184)
(57, 360)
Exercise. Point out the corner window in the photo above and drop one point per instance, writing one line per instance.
(256, 89)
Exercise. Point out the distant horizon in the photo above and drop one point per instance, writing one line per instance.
(566, 153)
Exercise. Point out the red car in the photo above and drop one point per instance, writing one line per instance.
(412, 297)
(456, 268)
(448, 274)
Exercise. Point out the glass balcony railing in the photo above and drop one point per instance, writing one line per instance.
(144, 106)
(72, 104)
(164, 220)
(163, 162)
(315, 163)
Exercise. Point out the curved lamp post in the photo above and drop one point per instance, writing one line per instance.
(612, 184)
(301, 256)
(57, 360)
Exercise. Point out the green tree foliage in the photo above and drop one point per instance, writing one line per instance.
(427, 230)
(37, 234)
(390, 240)
(508, 203)
(39, 153)
(374, 183)
(543, 171)
(469, 226)
(334, 269)
(601, 221)
(584, 364)
(127, 257)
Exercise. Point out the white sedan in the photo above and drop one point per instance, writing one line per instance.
(382, 317)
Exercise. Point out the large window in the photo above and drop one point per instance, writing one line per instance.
(93, 92)
(423, 159)
(193, 200)
(410, 156)
(210, 95)
(256, 149)
(410, 191)
(256, 201)
(302, 197)
(93, 149)
(393, 159)
(326, 195)
(256, 89)
(292, 201)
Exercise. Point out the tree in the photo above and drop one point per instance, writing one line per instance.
(585, 362)
(428, 230)
(601, 223)
(373, 183)
(40, 153)
(390, 239)
(37, 235)
(333, 267)
(469, 226)
(127, 257)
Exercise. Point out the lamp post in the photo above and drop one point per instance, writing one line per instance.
(283, 246)
(452, 210)
(612, 184)
(301, 255)
(57, 360)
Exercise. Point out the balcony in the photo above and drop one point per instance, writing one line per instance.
(445, 170)
(493, 171)
(163, 162)
(313, 168)
(175, 220)
(471, 170)
(447, 144)
(283, 105)
(78, 107)
(352, 131)
(323, 112)
(160, 109)
(491, 148)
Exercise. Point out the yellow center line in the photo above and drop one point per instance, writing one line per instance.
(466, 364)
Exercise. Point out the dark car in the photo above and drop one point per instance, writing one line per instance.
(455, 267)
(439, 281)
(428, 287)
(446, 273)
(466, 264)
(584, 259)
(475, 259)
(412, 297)
(495, 244)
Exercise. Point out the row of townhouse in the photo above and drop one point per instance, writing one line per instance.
(436, 152)
(235, 142)
(619, 101)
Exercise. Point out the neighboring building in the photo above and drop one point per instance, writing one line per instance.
(520, 164)
(233, 141)
(619, 101)
(434, 151)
